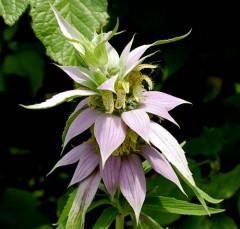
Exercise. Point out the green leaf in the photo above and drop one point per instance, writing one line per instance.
(98, 203)
(209, 142)
(27, 64)
(85, 15)
(215, 222)
(146, 222)
(11, 10)
(64, 215)
(171, 205)
(19, 209)
(224, 185)
(146, 166)
(106, 218)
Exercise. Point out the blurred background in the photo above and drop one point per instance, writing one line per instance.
(203, 69)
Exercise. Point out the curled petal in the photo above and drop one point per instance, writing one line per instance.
(110, 173)
(85, 194)
(165, 100)
(89, 160)
(160, 165)
(139, 121)
(132, 182)
(155, 109)
(81, 123)
(169, 146)
(71, 157)
(110, 132)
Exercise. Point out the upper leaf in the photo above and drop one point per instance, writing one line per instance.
(85, 15)
(11, 10)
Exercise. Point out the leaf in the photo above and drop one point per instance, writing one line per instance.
(203, 145)
(106, 218)
(146, 167)
(85, 15)
(147, 222)
(98, 203)
(28, 64)
(64, 215)
(224, 185)
(216, 222)
(171, 205)
(19, 209)
(11, 10)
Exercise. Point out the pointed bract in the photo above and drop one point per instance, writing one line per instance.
(132, 182)
(171, 149)
(89, 159)
(85, 194)
(81, 123)
(110, 173)
(165, 100)
(110, 132)
(160, 165)
(139, 121)
(71, 157)
(155, 109)
(80, 75)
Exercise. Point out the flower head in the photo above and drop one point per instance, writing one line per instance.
(118, 111)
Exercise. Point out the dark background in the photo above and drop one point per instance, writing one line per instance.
(203, 69)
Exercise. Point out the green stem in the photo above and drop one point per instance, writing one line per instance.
(120, 222)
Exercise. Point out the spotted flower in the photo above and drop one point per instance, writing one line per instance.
(118, 111)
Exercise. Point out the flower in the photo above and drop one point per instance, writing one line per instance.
(118, 111)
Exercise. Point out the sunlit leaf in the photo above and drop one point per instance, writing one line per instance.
(11, 10)
(171, 205)
(85, 15)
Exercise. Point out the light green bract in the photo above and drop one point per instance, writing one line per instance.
(118, 111)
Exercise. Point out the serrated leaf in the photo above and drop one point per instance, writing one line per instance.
(172, 205)
(85, 15)
(106, 218)
(63, 217)
(11, 10)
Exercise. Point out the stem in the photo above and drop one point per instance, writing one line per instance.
(120, 222)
